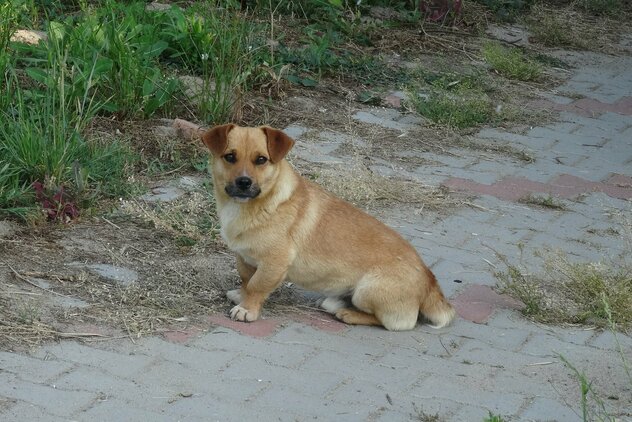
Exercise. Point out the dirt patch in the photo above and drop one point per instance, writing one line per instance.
(173, 284)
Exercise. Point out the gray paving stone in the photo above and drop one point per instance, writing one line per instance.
(147, 392)
(32, 369)
(119, 364)
(612, 341)
(205, 354)
(117, 410)
(208, 408)
(534, 144)
(476, 351)
(386, 122)
(299, 334)
(230, 344)
(392, 378)
(307, 407)
(23, 411)
(52, 400)
(295, 131)
(255, 376)
(464, 391)
(498, 338)
(474, 413)
(543, 409)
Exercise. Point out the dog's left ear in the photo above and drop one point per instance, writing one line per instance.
(279, 144)
(216, 139)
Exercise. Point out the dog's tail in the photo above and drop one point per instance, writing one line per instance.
(434, 305)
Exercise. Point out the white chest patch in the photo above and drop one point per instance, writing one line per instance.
(228, 218)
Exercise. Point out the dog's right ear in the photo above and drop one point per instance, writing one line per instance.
(216, 139)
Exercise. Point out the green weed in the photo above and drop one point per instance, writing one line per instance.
(453, 100)
(42, 141)
(511, 62)
(493, 418)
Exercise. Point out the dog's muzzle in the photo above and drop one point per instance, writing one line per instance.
(242, 189)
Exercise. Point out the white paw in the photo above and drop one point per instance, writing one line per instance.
(239, 313)
(234, 296)
(332, 304)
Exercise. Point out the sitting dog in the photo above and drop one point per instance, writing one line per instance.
(282, 226)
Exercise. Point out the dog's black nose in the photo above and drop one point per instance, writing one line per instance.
(243, 182)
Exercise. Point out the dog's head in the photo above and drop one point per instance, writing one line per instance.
(245, 160)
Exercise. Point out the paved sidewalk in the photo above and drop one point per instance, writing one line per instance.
(308, 366)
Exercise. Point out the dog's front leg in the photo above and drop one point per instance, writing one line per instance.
(245, 271)
(255, 291)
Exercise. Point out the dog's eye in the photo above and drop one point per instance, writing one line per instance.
(261, 160)
(230, 158)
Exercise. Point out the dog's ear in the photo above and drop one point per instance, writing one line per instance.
(279, 144)
(216, 138)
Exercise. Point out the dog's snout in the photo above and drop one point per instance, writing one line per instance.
(243, 182)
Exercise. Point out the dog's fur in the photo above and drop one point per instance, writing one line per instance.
(282, 226)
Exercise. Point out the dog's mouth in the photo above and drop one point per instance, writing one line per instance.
(240, 194)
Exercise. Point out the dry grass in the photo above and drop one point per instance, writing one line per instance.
(358, 184)
(567, 27)
(574, 293)
(543, 202)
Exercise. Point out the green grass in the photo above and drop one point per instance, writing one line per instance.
(43, 141)
(493, 418)
(110, 59)
(511, 62)
(453, 100)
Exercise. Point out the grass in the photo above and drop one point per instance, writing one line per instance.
(573, 293)
(454, 100)
(43, 142)
(113, 60)
(493, 418)
(544, 202)
(600, 7)
(511, 62)
(592, 406)
(575, 27)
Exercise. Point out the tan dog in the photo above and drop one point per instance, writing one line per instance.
(282, 226)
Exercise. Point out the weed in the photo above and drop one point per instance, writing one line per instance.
(215, 44)
(511, 63)
(44, 143)
(592, 405)
(493, 418)
(566, 27)
(574, 293)
(451, 99)
(544, 202)
(600, 7)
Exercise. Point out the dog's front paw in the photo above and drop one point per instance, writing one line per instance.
(234, 296)
(239, 313)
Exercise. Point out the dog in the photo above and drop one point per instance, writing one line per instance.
(284, 227)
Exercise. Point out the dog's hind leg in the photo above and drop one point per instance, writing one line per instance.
(352, 316)
(332, 304)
